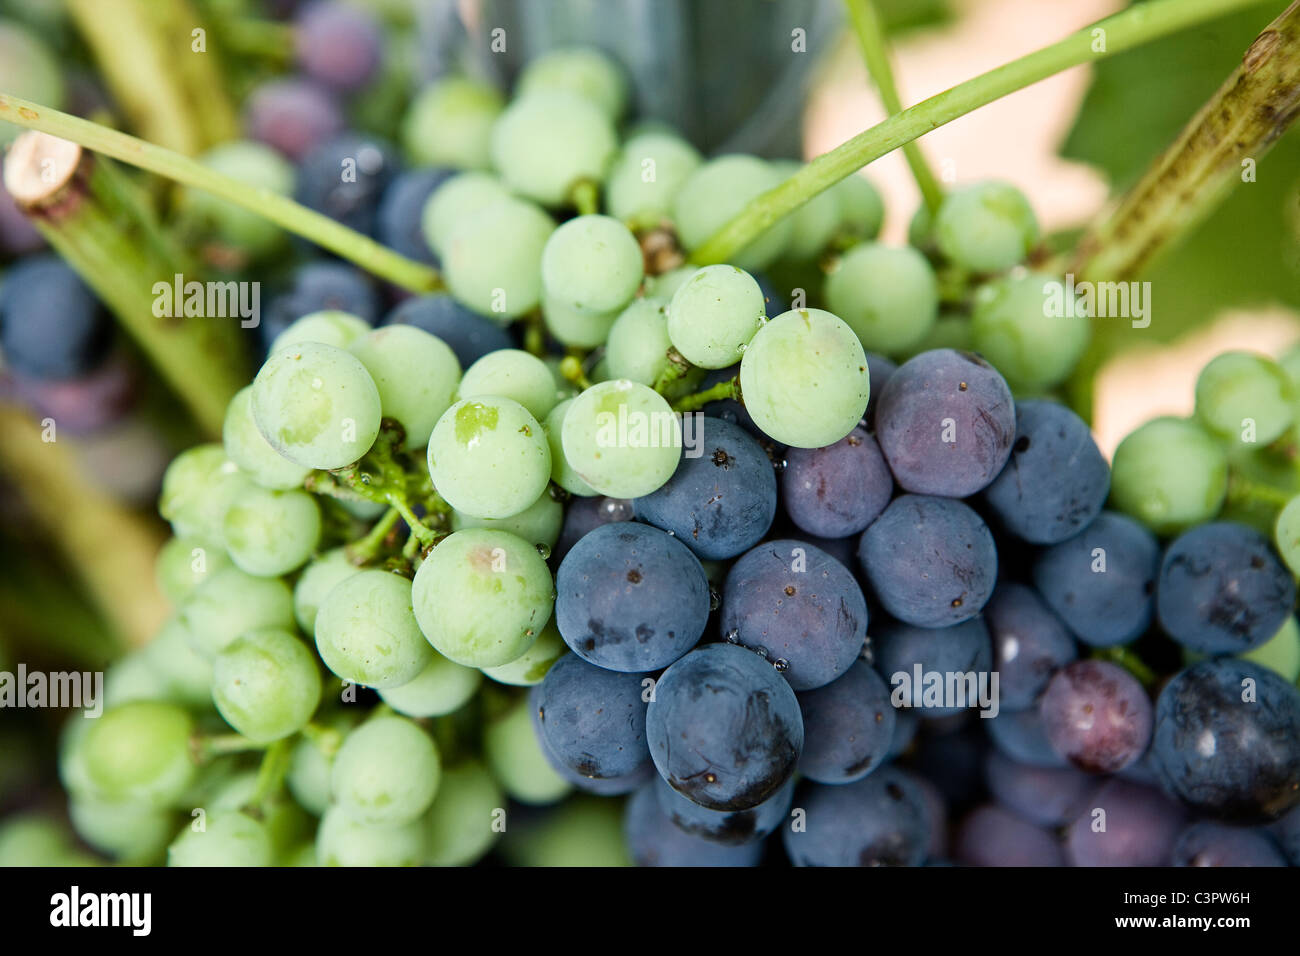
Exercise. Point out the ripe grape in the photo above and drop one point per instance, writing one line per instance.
(293, 115)
(1141, 827)
(51, 324)
(1047, 796)
(468, 335)
(489, 457)
(338, 44)
(1212, 844)
(838, 490)
(990, 836)
(591, 719)
(654, 839)
(888, 295)
(366, 631)
(399, 223)
(1097, 716)
(848, 726)
(963, 650)
(880, 820)
(354, 199)
(1029, 643)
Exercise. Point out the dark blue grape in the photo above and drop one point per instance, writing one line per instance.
(630, 598)
(1029, 643)
(1212, 844)
(906, 724)
(720, 826)
(319, 287)
(1222, 589)
(848, 726)
(292, 115)
(51, 324)
(1047, 796)
(879, 369)
(1124, 824)
(344, 179)
(1021, 736)
(798, 605)
(991, 836)
(1056, 479)
(84, 405)
(880, 820)
(721, 502)
(1225, 756)
(945, 422)
(1097, 716)
(469, 335)
(936, 817)
(1287, 831)
(593, 720)
(654, 840)
(724, 728)
(600, 786)
(1101, 581)
(836, 491)
(338, 44)
(583, 515)
(963, 649)
(930, 561)
(399, 225)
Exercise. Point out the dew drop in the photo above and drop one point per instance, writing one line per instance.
(781, 665)
(543, 550)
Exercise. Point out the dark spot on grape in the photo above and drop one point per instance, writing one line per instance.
(1022, 443)
(634, 576)
(962, 386)
(789, 590)
(894, 790)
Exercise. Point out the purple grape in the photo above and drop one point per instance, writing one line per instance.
(1029, 643)
(293, 116)
(848, 726)
(344, 178)
(592, 720)
(962, 649)
(400, 222)
(881, 820)
(1046, 796)
(936, 815)
(945, 423)
(990, 836)
(720, 826)
(838, 490)
(879, 369)
(1020, 735)
(654, 840)
(466, 333)
(1124, 824)
(1097, 716)
(1287, 831)
(600, 786)
(584, 515)
(80, 406)
(1213, 844)
(317, 287)
(338, 44)
(51, 324)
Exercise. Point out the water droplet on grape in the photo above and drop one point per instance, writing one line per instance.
(317, 384)
(715, 599)
(733, 636)
(781, 664)
(543, 550)
(616, 509)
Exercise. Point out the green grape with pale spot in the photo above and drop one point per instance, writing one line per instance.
(493, 260)
(230, 603)
(316, 582)
(582, 71)
(1170, 474)
(1012, 326)
(269, 533)
(366, 631)
(622, 438)
(140, 753)
(449, 124)
(461, 825)
(416, 375)
(185, 563)
(638, 343)
(316, 405)
(888, 295)
(441, 688)
(328, 327)
(481, 597)
(229, 838)
(266, 684)
(562, 472)
(592, 264)
(455, 203)
(197, 488)
(539, 524)
(489, 457)
(714, 315)
(343, 841)
(513, 374)
(245, 446)
(515, 757)
(717, 192)
(804, 378)
(547, 142)
(530, 667)
(386, 773)
(646, 174)
(1245, 398)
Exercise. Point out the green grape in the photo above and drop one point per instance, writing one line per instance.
(186, 674)
(28, 70)
(482, 597)
(622, 438)
(920, 229)
(442, 687)
(1012, 328)
(460, 826)
(416, 374)
(121, 829)
(514, 755)
(386, 773)
(493, 262)
(366, 631)
(546, 143)
(585, 831)
(638, 344)
(720, 190)
(488, 457)
(531, 666)
(317, 405)
(1246, 398)
(140, 753)
(713, 316)
(131, 678)
(269, 533)
(804, 378)
(308, 778)
(581, 71)
(457, 202)
(258, 167)
(814, 224)
(986, 227)
(245, 446)
(1286, 534)
(1281, 653)
(185, 563)
(573, 327)
(513, 374)
(229, 838)
(315, 583)
(592, 264)
(343, 841)
(665, 286)
(327, 327)
(562, 472)
(645, 176)
(862, 211)
(32, 839)
(230, 603)
(888, 295)
(197, 488)
(1169, 474)
(950, 331)
(539, 524)
(449, 124)
(266, 684)
(286, 823)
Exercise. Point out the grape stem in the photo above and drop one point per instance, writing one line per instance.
(585, 196)
(364, 551)
(326, 739)
(1243, 491)
(281, 210)
(207, 747)
(676, 368)
(875, 54)
(714, 393)
(571, 369)
(1125, 30)
(270, 776)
